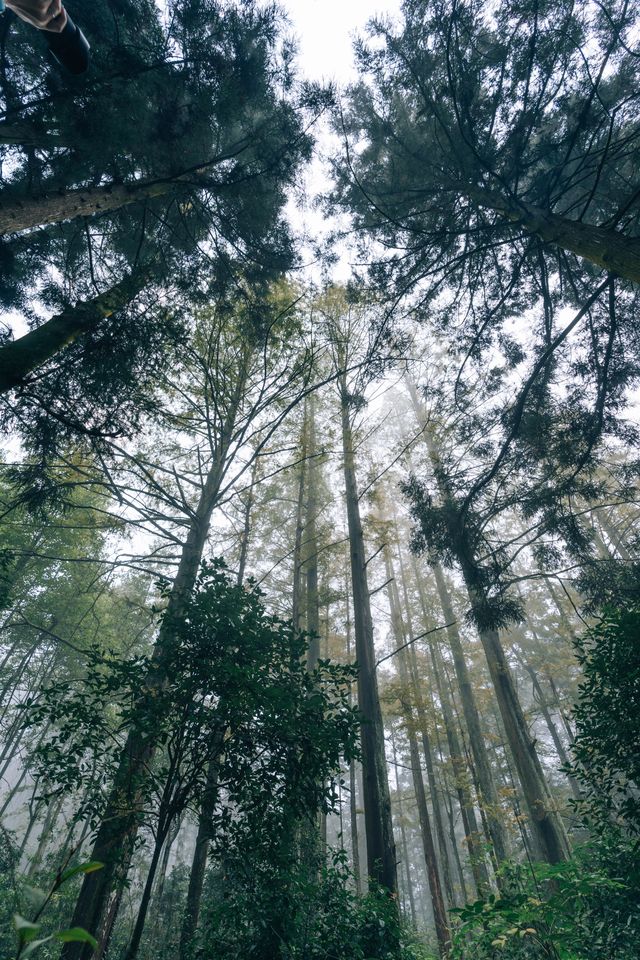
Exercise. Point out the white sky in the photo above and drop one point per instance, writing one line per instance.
(324, 29)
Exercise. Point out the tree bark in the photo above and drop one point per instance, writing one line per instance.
(608, 249)
(409, 677)
(381, 854)
(428, 845)
(545, 820)
(353, 779)
(17, 215)
(246, 526)
(296, 592)
(473, 837)
(21, 357)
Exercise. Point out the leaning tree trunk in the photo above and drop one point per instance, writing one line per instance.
(606, 248)
(546, 823)
(21, 357)
(486, 783)
(18, 214)
(381, 854)
(97, 903)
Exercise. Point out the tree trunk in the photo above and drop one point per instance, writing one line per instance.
(96, 906)
(546, 823)
(486, 784)
(246, 526)
(608, 249)
(541, 700)
(428, 845)
(20, 357)
(69, 204)
(410, 678)
(473, 837)
(403, 837)
(51, 818)
(143, 908)
(199, 863)
(353, 779)
(296, 592)
(545, 820)
(311, 541)
(381, 855)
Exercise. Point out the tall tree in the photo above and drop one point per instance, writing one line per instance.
(479, 138)
(235, 389)
(346, 327)
(186, 176)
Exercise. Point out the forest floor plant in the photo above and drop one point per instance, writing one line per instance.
(587, 908)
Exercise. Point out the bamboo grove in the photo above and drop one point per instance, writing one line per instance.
(319, 597)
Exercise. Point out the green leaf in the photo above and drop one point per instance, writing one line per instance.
(31, 947)
(89, 867)
(26, 929)
(76, 935)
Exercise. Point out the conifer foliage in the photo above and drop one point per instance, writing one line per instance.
(319, 598)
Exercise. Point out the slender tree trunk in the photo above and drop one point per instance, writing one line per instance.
(51, 818)
(353, 779)
(559, 707)
(403, 836)
(486, 784)
(488, 794)
(381, 855)
(613, 535)
(540, 699)
(546, 823)
(458, 761)
(141, 917)
(199, 862)
(246, 526)
(296, 592)
(20, 357)
(461, 772)
(562, 613)
(545, 820)
(310, 551)
(428, 845)
(411, 679)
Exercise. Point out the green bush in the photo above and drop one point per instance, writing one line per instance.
(301, 914)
